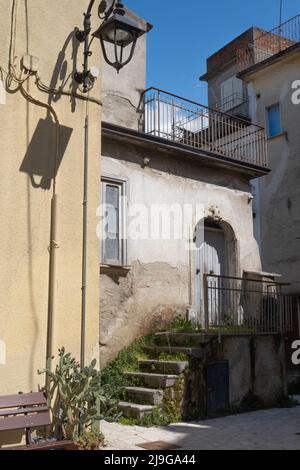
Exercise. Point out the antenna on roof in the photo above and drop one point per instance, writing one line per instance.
(280, 13)
(280, 24)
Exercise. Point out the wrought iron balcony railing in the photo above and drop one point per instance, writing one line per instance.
(188, 123)
(246, 305)
(235, 100)
(269, 44)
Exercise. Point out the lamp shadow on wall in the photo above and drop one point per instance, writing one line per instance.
(60, 80)
(45, 153)
(42, 159)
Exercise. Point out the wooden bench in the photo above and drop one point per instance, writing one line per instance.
(29, 411)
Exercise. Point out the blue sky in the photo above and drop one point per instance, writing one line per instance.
(186, 32)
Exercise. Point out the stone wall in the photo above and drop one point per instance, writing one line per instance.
(256, 367)
(257, 375)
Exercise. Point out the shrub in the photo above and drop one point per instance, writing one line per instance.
(76, 396)
(91, 440)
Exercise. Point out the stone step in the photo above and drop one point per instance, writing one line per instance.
(154, 380)
(189, 340)
(163, 367)
(144, 395)
(154, 352)
(134, 410)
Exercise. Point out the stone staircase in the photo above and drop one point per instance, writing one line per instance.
(157, 376)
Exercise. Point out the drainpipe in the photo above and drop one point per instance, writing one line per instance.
(84, 241)
(190, 268)
(51, 288)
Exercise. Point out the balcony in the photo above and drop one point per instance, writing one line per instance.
(185, 122)
(237, 104)
(247, 306)
(268, 44)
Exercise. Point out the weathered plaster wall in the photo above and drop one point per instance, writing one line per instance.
(278, 224)
(27, 156)
(156, 284)
(148, 297)
(121, 93)
(256, 368)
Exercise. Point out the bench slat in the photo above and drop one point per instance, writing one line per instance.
(21, 411)
(22, 422)
(65, 445)
(25, 399)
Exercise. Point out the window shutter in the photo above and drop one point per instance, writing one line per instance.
(274, 121)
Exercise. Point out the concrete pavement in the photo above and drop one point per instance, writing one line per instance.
(276, 429)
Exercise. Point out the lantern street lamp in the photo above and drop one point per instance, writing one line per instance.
(116, 33)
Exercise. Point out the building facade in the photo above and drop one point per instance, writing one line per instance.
(271, 86)
(42, 146)
(160, 154)
(261, 68)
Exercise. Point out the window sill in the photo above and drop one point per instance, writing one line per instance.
(277, 136)
(114, 267)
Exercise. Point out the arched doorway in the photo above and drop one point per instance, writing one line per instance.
(216, 255)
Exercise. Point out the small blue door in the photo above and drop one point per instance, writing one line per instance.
(217, 387)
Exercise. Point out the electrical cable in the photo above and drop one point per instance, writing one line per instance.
(44, 88)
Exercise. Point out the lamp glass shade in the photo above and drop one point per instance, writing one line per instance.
(119, 35)
(119, 30)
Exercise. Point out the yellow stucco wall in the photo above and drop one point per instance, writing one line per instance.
(46, 30)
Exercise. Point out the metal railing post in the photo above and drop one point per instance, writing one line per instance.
(158, 112)
(205, 299)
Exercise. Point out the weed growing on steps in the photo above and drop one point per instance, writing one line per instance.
(155, 418)
(173, 400)
(183, 325)
(175, 357)
(170, 411)
(113, 377)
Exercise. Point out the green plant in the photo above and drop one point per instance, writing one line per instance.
(91, 440)
(173, 400)
(129, 421)
(182, 324)
(76, 396)
(155, 418)
(181, 357)
(113, 378)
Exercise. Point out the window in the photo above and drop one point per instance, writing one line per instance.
(232, 93)
(274, 120)
(113, 226)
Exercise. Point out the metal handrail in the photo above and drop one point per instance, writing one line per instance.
(231, 302)
(282, 37)
(186, 122)
(202, 106)
(232, 101)
(248, 279)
